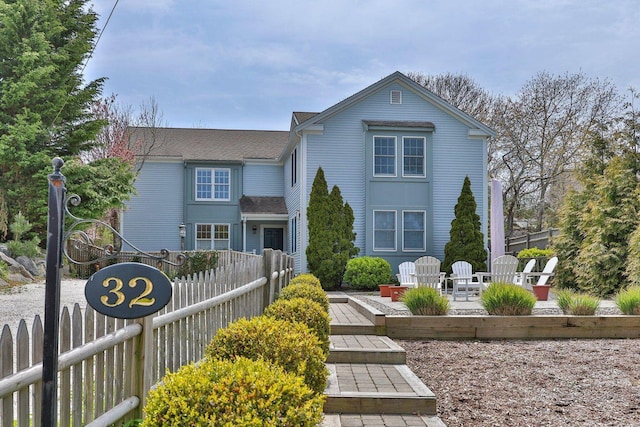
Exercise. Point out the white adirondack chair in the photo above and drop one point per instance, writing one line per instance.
(428, 273)
(503, 269)
(462, 279)
(545, 274)
(522, 276)
(407, 274)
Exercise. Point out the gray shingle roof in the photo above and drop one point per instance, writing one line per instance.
(215, 144)
(262, 205)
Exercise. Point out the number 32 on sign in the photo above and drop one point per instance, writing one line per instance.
(128, 290)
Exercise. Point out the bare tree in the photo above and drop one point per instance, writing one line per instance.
(128, 135)
(542, 134)
(461, 91)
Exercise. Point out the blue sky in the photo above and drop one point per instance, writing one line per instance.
(248, 64)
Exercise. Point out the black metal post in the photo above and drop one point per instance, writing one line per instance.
(55, 231)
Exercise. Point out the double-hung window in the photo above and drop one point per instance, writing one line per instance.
(213, 184)
(384, 230)
(384, 156)
(212, 236)
(413, 231)
(413, 151)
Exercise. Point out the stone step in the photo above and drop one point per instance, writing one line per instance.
(353, 317)
(371, 388)
(365, 349)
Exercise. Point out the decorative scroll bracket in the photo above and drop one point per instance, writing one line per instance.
(76, 236)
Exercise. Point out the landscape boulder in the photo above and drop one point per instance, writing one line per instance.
(30, 265)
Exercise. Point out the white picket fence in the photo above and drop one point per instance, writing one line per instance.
(106, 366)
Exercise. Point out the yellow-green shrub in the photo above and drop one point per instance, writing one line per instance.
(307, 278)
(228, 394)
(306, 311)
(291, 345)
(302, 290)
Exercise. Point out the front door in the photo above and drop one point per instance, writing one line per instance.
(274, 238)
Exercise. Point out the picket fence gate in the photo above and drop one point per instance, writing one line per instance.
(106, 365)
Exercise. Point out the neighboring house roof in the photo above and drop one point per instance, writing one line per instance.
(263, 205)
(215, 144)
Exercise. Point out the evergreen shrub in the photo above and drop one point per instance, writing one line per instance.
(367, 272)
(305, 290)
(466, 241)
(628, 300)
(291, 345)
(228, 394)
(307, 278)
(305, 311)
(198, 261)
(425, 301)
(507, 299)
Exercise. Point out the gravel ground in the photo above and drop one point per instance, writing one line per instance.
(529, 383)
(26, 301)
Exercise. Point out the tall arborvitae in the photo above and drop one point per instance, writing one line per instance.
(319, 247)
(466, 241)
(331, 236)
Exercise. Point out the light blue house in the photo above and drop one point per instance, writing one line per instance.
(398, 152)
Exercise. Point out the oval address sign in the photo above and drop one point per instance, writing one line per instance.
(128, 290)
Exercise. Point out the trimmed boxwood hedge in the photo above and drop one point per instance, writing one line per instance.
(228, 394)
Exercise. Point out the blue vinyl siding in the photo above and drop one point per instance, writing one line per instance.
(263, 180)
(342, 152)
(213, 211)
(151, 218)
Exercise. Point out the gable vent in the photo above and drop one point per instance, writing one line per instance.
(396, 97)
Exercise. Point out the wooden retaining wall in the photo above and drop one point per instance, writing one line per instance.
(511, 327)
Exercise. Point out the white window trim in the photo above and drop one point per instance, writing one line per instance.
(395, 157)
(395, 231)
(424, 232)
(213, 185)
(424, 157)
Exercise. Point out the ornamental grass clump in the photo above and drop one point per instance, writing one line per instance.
(291, 345)
(423, 301)
(240, 393)
(305, 290)
(507, 299)
(305, 311)
(577, 304)
(628, 300)
(307, 278)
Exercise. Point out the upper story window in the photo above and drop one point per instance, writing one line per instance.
(294, 167)
(384, 230)
(384, 156)
(213, 184)
(413, 151)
